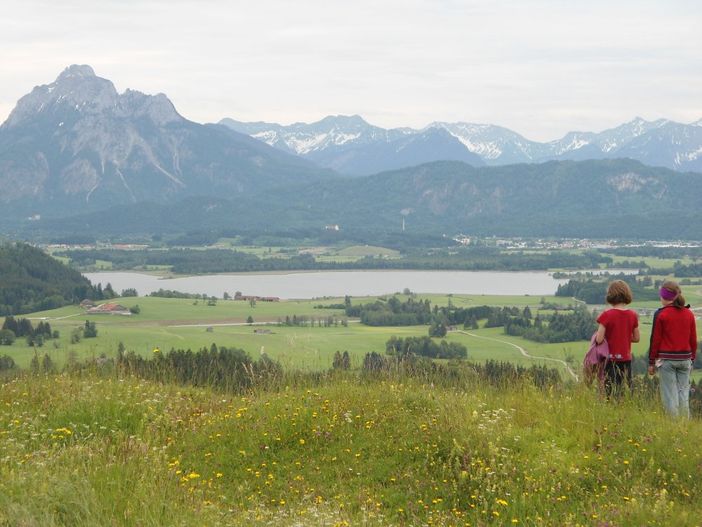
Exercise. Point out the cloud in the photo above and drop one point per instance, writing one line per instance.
(542, 67)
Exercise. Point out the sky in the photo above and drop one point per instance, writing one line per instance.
(539, 67)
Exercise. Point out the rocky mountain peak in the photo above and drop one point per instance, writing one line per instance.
(79, 92)
(76, 71)
(342, 121)
(76, 90)
(158, 108)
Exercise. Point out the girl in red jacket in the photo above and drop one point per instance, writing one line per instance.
(620, 326)
(673, 349)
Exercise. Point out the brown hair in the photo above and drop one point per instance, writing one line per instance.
(673, 287)
(619, 292)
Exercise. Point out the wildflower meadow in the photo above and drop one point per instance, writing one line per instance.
(88, 448)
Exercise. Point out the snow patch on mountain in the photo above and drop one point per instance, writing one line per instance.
(305, 144)
(662, 142)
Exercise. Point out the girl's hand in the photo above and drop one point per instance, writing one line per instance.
(651, 370)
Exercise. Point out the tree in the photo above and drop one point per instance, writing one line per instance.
(47, 365)
(129, 292)
(373, 361)
(226, 296)
(34, 366)
(25, 327)
(35, 340)
(89, 330)
(7, 337)
(7, 363)
(11, 324)
(135, 309)
(249, 320)
(336, 363)
(108, 292)
(438, 329)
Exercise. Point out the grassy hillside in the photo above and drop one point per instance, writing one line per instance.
(626, 199)
(90, 450)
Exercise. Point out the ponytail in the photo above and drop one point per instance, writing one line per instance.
(679, 301)
(670, 288)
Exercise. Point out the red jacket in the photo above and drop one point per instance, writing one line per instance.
(674, 335)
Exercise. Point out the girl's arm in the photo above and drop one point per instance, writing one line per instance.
(636, 335)
(693, 339)
(600, 336)
(656, 337)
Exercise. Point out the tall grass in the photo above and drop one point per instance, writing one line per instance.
(339, 449)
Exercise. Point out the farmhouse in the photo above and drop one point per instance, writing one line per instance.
(109, 308)
(248, 298)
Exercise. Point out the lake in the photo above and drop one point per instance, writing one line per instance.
(339, 283)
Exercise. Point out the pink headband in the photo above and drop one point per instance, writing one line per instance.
(667, 294)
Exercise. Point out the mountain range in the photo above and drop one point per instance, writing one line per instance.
(618, 198)
(351, 146)
(78, 157)
(76, 144)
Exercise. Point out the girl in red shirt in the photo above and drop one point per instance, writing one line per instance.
(673, 349)
(620, 326)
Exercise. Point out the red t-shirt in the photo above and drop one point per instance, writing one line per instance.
(619, 326)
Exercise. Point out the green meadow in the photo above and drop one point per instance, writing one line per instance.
(337, 449)
(107, 449)
(166, 323)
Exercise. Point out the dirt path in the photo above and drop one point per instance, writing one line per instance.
(524, 352)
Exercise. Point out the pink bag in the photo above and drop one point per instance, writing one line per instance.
(594, 361)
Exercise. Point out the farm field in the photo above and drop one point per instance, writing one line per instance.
(185, 323)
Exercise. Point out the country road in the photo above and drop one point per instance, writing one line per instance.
(524, 352)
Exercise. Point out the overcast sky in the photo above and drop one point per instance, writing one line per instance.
(539, 67)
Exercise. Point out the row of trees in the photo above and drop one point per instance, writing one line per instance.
(577, 324)
(425, 347)
(13, 328)
(592, 290)
(391, 312)
(501, 374)
(230, 369)
(193, 261)
(558, 327)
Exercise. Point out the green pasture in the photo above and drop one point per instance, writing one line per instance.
(652, 261)
(322, 253)
(167, 323)
(356, 252)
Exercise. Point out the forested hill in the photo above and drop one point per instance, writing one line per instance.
(603, 198)
(31, 281)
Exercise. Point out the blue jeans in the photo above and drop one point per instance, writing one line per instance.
(675, 386)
